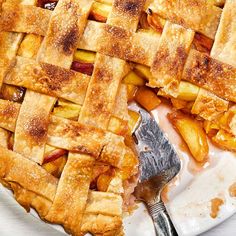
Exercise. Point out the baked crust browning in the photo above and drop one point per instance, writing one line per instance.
(32, 125)
(49, 79)
(68, 206)
(101, 224)
(64, 32)
(224, 46)
(125, 14)
(74, 136)
(102, 91)
(28, 174)
(24, 18)
(113, 41)
(209, 106)
(9, 43)
(211, 74)
(4, 137)
(121, 109)
(170, 58)
(137, 47)
(8, 114)
(200, 16)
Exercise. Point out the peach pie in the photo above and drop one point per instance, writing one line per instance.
(68, 69)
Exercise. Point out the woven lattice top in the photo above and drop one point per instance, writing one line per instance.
(37, 48)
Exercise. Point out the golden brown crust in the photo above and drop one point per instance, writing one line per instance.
(211, 74)
(4, 137)
(73, 136)
(32, 124)
(121, 109)
(224, 46)
(24, 18)
(170, 58)
(71, 198)
(49, 79)
(100, 224)
(200, 15)
(104, 203)
(77, 137)
(102, 91)
(29, 199)
(139, 47)
(64, 32)
(9, 43)
(28, 174)
(209, 106)
(125, 14)
(8, 114)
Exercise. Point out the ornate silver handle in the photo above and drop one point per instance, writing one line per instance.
(161, 219)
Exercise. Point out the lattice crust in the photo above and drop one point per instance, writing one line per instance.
(42, 65)
(49, 79)
(111, 70)
(211, 74)
(209, 106)
(170, 58)
(224, 47)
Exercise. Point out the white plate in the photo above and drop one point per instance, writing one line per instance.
(189, 194)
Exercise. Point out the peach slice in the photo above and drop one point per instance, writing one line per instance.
(131, 90)
(147, 98)
(192, 133)
(84, 56)
(133, 78)
(133, 121)
(187, 91)
(100, 11)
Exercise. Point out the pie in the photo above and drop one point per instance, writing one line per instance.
(67, 70)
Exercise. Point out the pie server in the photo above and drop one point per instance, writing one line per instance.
(159, 163)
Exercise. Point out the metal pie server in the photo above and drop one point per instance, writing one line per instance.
(159, 163)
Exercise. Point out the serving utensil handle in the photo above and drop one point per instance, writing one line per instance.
(161, 219)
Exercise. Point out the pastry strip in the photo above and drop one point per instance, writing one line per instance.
(170, 58)
(121, 108)
(100, 224)
(104, 203)
(64, 32)
(102, 91)
(30, 199)
(200, 16)
(211, 74)
(74, 136)
(224, 48)
(68, 206)
(4, 137)
(49, 79)
(125, 14)
(8, 114)
(9, 42)
(138, 47)
(209, 106)
(32, 125)
(24, 18)
(16, 168)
